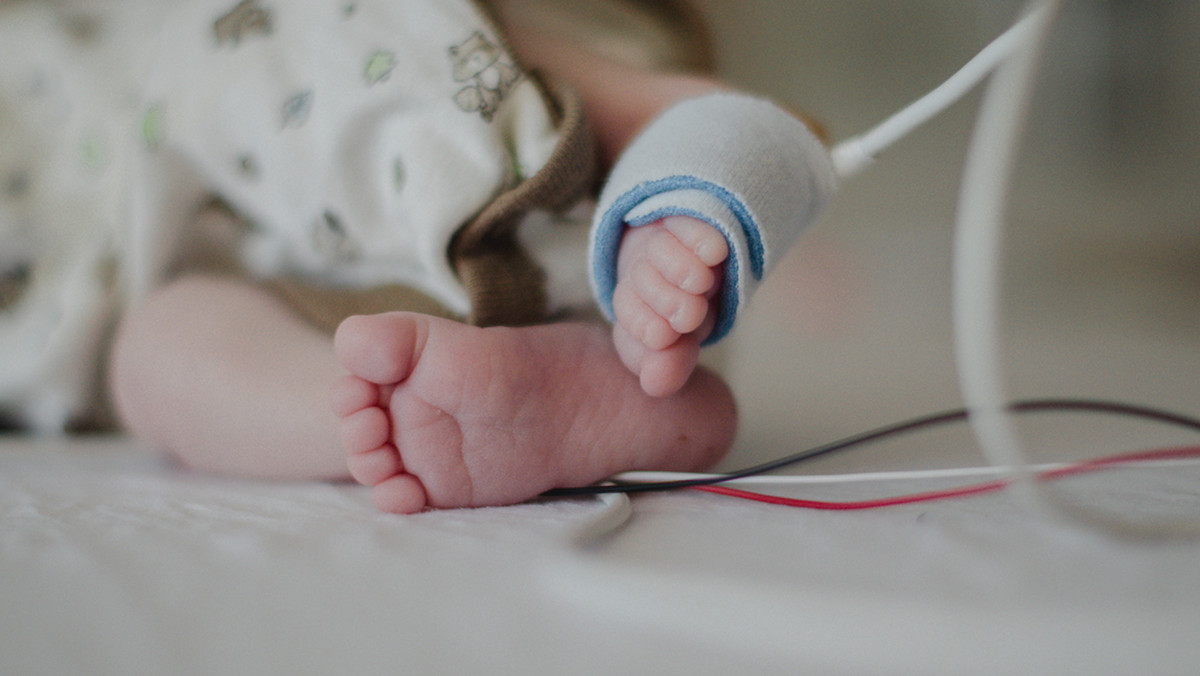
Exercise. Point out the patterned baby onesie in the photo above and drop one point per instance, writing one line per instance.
(360, 145)
(356, 139)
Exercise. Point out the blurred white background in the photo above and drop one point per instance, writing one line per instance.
(1102, 258)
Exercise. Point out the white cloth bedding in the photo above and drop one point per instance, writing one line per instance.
(113, 562)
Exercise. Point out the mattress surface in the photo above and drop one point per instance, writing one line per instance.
(114, 562)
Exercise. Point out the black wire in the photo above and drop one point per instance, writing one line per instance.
(911, 425)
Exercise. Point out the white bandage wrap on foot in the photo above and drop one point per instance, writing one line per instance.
(739, 163)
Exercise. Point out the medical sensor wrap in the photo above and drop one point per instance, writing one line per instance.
(739, 163)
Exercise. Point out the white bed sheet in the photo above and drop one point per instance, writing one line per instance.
(112, 562)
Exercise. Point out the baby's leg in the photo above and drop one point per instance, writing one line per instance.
(228, 379)
(667, 275)
(437, 413)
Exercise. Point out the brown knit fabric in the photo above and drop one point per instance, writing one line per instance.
(503, 284)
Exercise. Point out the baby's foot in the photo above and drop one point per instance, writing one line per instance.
(667, 276)
(439, 414)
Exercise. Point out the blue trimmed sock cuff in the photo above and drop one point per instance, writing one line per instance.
(737, 162)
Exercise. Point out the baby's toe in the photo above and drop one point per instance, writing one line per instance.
(683, 311)
(351, 394)
(401, 494)
(373, 467)
(678, 264)
(665, 372)
(640, 320)
(380, 348)
(703, 240)
(365, 430)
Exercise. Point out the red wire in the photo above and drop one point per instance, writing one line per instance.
(990, 486)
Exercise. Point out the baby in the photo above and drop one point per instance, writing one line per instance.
(233, 374)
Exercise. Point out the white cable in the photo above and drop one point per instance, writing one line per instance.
(855, 154)
(813, 479)
(981, 209)
(782, 480)
(976, 282)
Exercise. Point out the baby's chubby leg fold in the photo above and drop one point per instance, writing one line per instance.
(225, 377)
(668, 273)
(439, 414)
